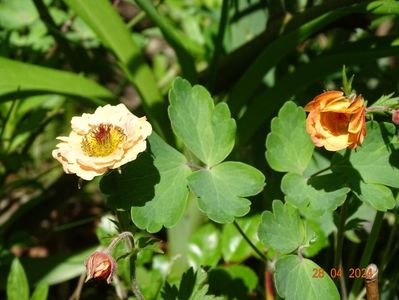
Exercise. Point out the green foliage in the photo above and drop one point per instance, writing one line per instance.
(252, 59)
(234, 247)
(207, 130)
(204, 247)
(295, 279)
(283, 230)
(221, 189)
(287, 135)
(20, 77)
(17, 283)
(159, 192)
(315, 196)
(40, 292)
(192, 287)
(373, 167)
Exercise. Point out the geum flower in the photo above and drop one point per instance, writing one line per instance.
(107, 139)
(100, 265)
(336, 122)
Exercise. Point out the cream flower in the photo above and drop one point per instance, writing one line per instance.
(107, 139)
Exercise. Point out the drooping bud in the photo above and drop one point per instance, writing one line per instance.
(395, 116)
(100, 265)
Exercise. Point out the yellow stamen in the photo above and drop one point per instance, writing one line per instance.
(102, 140)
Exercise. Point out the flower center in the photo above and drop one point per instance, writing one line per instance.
(336, 123)
(102, 140)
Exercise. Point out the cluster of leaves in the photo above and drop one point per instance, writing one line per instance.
(250, 56)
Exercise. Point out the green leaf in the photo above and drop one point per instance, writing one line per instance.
(181, 43)
(294, 280)
(150, 282)
(17, 283)
(267, 103)
(204, 247)
(207, 130)
(154, 186)
(103, 19)
(376, 161)
(17, 76)
(288, 134)
(283, 230)
(234, 247)
(221, 189)
(377, 195)
(323, 196)
(192, 287)
(16, 14)
(372, 167)
(234, 282)
(40, 292)
(278, 49)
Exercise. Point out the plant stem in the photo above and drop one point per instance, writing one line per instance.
(368, 250)
(262, 256)
(179, 236)
(339, 244)
(124, 225)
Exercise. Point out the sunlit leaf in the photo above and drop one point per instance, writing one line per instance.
(154, 186)
(283, 230)
(288, 134)
(221, 190)
(40, 292)
(302, 194)
(17, 283)
(207, 130)
(372, 167)
(300, 278)
(17, 76)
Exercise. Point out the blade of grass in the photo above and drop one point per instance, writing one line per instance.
(182, 44)
(214, 66)
(280, 48)
(267, 103)
(17, 76)
(273, 54)
(102, 18)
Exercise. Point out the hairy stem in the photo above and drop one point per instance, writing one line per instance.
(124, 223)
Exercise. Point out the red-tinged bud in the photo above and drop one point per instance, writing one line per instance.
(395, 116)
(100, 265)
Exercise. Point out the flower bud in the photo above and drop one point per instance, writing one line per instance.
(100, 265)
(395, 116)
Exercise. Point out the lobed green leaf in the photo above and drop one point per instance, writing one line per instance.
(303, 195)
(372, 167)
(295, 280)
(289, 147)
(221, 190)
(153, 186)
(283, 230)
(207, 130)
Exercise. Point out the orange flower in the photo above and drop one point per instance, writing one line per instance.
(335, 121)
(100, 265)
